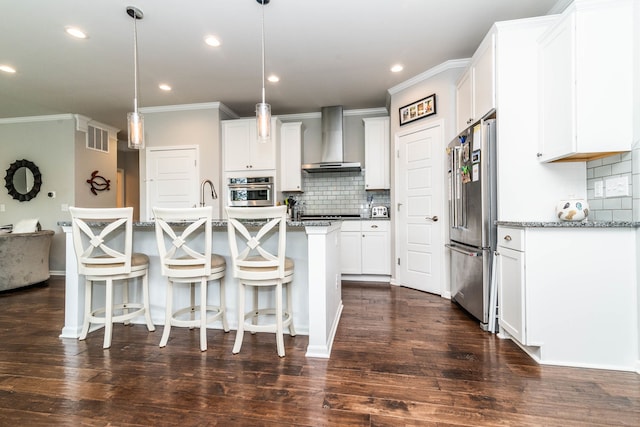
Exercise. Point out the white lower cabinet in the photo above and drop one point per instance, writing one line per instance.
(512, 283)
(365, 247)
(568, 295)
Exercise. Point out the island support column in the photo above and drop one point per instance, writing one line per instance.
(325, 288)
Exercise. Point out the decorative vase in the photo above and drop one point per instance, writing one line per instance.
(572, 209)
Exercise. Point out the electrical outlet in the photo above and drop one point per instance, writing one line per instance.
(617, 186)
(64, 207)
(2, 209)
(598, 189)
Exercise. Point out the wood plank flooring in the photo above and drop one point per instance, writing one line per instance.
(401, 358)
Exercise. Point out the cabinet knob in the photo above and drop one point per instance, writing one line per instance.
(507, 238)
(539, 154)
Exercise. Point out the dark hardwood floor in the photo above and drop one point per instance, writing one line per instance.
(400, 358)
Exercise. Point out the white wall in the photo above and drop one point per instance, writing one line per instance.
(178, 125)
(86, 162)
(47, 141)
(55, 145)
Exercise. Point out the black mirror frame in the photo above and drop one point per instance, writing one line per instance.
(37, 180)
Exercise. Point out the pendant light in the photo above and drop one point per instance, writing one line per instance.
(135, 121)
(263, 110)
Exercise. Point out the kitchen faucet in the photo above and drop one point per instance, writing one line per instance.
(213, 191)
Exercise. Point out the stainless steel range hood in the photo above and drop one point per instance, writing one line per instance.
(332, 156)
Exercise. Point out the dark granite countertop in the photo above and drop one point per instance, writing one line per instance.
(569, 224)
(217, 223)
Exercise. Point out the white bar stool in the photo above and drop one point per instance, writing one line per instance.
(103, 240)
(255, 266)
(184, 243)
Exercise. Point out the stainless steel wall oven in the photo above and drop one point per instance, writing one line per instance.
(254, 191)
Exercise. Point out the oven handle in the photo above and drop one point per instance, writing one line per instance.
(250, 186)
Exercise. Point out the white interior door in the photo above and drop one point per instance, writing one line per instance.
(172, 178)
(419, 209)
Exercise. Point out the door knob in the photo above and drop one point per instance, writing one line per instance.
(433, 218)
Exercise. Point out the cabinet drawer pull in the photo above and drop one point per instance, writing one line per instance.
(507, 238)
(374, 226)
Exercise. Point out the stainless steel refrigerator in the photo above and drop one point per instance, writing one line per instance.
(472, 215)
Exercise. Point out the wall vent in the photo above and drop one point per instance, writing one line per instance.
(97, 139)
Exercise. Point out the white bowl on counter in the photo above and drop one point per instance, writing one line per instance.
(572, 209)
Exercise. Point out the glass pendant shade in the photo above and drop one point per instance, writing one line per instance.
(263, 120)
(135, 121)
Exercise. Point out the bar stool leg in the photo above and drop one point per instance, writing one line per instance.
(223, 305)
(108, 314)
(203, 314)
(240, 332)
(88, 287)
(292, 330)
(168, 314)
(145, 300)
(279, 326)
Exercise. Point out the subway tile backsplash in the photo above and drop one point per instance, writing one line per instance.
(614, 207)
(343, 193)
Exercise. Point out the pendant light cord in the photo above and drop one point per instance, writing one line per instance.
(263, 90)
(135, 64)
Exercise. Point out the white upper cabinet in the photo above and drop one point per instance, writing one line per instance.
(241, 148)
(475, 91)
(464, 101)
(484, 77)
(586, 82)
(527, 190)
(291, 156)
(376, 153)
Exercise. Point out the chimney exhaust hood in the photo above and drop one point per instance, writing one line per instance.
(332, 155)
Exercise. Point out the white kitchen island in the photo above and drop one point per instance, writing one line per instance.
(317, 291)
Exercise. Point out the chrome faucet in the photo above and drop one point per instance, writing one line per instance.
(213, 191)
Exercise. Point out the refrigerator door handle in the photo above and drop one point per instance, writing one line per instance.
(462, 251)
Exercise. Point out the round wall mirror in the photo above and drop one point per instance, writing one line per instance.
(23, 180)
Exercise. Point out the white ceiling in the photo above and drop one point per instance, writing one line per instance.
(326, 52)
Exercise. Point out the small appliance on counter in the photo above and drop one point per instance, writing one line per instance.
(379, 212)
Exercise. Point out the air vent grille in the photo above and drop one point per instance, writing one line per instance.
(97, 139)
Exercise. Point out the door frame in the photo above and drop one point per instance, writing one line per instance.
(444, 222)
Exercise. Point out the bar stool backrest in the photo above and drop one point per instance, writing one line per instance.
(184, 238)
(102, 239)
(250, 259)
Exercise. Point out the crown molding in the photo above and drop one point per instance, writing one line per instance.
(445, 66)
(29, 119)
(190, 107)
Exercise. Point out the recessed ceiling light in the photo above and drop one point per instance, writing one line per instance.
(7, 69)
(397, 68)
(212, 41)
(164, 86)
(76, 32)
(273, 78)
